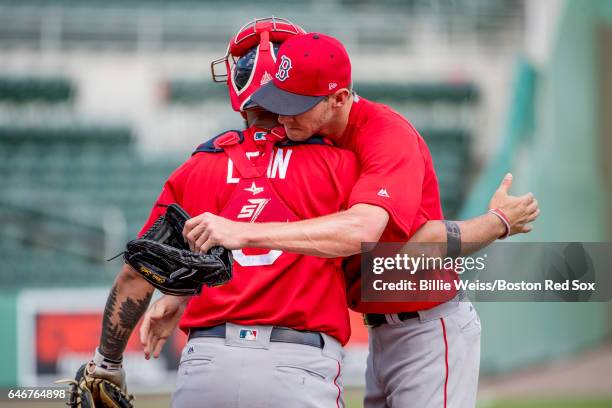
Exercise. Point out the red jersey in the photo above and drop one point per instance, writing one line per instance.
(397, 174)
(298, 181)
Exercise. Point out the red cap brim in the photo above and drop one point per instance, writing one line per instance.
(276, 100)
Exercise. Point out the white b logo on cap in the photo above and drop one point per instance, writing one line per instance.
(283, 68)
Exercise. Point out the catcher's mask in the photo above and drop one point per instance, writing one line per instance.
(250, 57)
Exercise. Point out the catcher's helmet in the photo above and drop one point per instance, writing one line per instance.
(253, 54)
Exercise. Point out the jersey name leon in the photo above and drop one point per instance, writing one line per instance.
(277, 167)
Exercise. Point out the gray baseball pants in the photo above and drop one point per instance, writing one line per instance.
(426, 362)
(234, 373)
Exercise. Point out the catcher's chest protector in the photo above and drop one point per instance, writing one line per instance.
(254, 199)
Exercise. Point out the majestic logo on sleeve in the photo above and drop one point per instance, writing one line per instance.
(283, 68)
(383, 193)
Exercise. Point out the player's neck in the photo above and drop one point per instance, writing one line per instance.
(261, 119)
(337, 125)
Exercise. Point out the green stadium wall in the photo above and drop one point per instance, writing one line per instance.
(8, 339)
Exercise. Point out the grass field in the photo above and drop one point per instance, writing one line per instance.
(353, 399)
(577, 403)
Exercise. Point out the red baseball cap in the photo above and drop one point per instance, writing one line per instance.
(308, 68)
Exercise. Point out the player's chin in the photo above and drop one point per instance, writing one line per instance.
(296, 134)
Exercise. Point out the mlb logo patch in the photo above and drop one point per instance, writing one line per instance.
(248, 334)
(259, 136)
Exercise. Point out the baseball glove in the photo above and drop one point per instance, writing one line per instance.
(163, 258)
(86, 391)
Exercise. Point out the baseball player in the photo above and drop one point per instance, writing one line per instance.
(422, 354)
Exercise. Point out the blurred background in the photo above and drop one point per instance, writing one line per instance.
(101, 99)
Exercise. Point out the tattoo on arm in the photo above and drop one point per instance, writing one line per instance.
(453, 239)
(118, 322)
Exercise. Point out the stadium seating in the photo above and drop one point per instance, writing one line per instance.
(54, 178)
(193, 91)
(94, 164)
(203, 24)
(46, 242)
(19, 90)
(419, 92)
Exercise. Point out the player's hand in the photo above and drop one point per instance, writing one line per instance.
(208, 230)
(159, 322)
(521, 211)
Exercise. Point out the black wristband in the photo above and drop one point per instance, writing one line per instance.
(453, 239)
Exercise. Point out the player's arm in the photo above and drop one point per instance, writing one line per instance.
(336, 235)
(341, 234)
(127, 301)
(466, 237)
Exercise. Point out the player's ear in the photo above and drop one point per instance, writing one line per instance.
(340, 97)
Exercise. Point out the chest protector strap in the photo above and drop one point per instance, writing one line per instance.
(248, 169)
